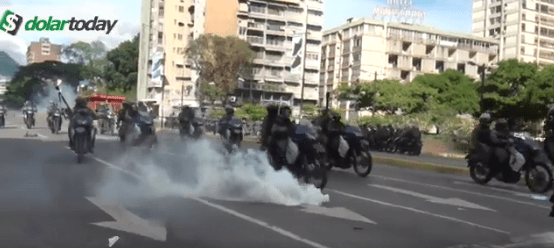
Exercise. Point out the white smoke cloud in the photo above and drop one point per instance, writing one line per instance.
(202, 171)
(51, 94)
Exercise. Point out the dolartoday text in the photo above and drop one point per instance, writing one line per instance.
(72, 24)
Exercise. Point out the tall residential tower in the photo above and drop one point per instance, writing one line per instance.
(525, 28)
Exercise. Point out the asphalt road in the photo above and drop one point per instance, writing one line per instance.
(48, 200)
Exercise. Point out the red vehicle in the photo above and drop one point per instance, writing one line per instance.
(96, 99)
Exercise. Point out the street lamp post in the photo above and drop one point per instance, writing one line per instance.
(304, 61)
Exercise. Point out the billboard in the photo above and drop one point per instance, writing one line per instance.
(157, 70)
(400, 10)
(297, 54)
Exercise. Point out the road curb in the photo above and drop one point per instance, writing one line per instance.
(420, 165)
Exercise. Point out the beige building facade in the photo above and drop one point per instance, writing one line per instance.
(43, 50)
(269, 26)
(365, 49)
(172, 25)
(525, 28)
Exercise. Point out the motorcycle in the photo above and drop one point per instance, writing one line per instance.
(192, 129)
(353, 151)
(233, 134)
(107, 123)
(298, 154)
(83, 134)
(2, 116)
(55, 121)
(29, 118)
(533, 159)
(411, 146)
(139, 132)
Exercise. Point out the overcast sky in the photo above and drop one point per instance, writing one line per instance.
(454, 15)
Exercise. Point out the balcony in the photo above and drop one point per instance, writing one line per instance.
(274, 75)
(316, 20)
(290, 77)
(255, 40)
(273, 88)
(296, 17)
(275, 45)
(276, 30)
(275, 15)
(275, 60)
(257, 11)
(256, 26)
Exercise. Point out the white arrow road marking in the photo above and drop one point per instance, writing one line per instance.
(416, 210)
(463, 191)
(338, 212)
(42, 136)
(224, 209)
(536, 240)
(450, 201)
(105, 137)
(129, 222)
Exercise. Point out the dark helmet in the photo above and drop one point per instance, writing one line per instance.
(126, 105)
(81, 102)
(272, 109)
(485, 118)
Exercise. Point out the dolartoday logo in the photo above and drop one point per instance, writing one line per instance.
(11, 22)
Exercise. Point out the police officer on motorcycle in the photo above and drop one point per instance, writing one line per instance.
(80, 106)
(125, 117)
(223, 122)
(186, 117)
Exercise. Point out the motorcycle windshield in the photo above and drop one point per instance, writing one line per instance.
(145, 118)
(353, 130)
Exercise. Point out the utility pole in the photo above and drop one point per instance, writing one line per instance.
(304, 61)
(482, 89)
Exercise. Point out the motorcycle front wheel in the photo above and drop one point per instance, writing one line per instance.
(363, 163)
(538, 178)
(480, 173)
(314, 173)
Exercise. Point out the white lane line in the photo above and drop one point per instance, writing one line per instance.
(264, 224)
(418, 211)
(464, 191)
(527, 195)
(229, 211)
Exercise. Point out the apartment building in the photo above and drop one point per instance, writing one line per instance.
(43, 50)
(269, 26)
(168, 27)
(363, 49)
(525, 28)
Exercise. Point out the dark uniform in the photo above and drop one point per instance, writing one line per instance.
(80, 106)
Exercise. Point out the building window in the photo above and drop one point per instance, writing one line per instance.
(522, 50)
(179, 36)
(181, 9)
(356, 57)
(242, 30)
(523, 27)
(523, 16)
(358, 42)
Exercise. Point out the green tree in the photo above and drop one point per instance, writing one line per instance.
(504, 90)
(309, 110)
(452, 88)
(220, 60)
(83, 53)
(31, 79)
(211, 93)
(254, 112)
(121, 71)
